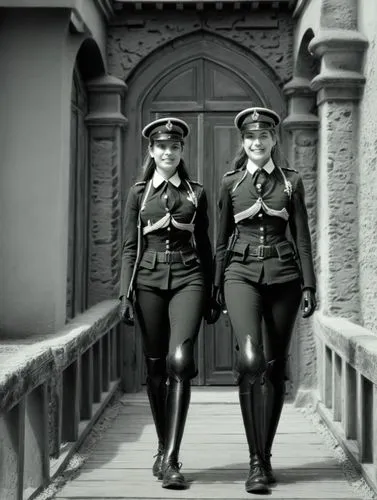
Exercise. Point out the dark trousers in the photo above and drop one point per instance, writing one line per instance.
(169, 318)
(250, 303)
(262, 353)
(169, 322)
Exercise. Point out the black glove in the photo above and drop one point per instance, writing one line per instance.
(127, 311)
(309, 302)
(213, 311)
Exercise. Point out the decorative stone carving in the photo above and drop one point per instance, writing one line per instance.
(132, 37)
(105, 121)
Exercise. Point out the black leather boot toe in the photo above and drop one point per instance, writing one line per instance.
(172, 477)
(257, 481)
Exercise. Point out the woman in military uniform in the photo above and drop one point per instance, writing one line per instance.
(263, 277)
(166, 281)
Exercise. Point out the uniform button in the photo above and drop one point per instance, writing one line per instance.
(167, 209)
(259, 187)
(165, 196)
(261, 238)
(261, 229)
(167, 241)
(260, 215)
(169, 228)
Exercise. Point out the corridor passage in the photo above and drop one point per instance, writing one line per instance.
(214, 455)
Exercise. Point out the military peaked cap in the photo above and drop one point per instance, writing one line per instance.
(256, 119)
(166, 129)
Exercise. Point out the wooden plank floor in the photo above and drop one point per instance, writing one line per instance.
(213, 452)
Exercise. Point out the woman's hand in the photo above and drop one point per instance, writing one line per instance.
(127, 311)
(213, 311)
(309, 302)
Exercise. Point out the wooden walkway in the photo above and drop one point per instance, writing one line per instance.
(214, 456)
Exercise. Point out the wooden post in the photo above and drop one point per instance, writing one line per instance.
(106, 362)
(328, 377)
(337, 387)
(87, 384)
(71, 402)
(97, 368)
(349, 401)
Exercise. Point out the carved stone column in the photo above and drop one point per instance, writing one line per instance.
(106, 123)
(339, 87)
(301, 127)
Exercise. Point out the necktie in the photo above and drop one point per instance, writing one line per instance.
(260, 179)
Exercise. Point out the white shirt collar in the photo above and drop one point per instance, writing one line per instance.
(158, 179)
(252, 168)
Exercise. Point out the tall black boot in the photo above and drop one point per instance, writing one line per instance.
(274, 395)
(156, 390)
(178, 401)
(252, 408)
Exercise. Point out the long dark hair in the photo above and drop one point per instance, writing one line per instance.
(149, 166)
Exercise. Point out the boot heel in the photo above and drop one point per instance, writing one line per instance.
(156, 469)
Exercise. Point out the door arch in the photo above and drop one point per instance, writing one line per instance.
(205, 82)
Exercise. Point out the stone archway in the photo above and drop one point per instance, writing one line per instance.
(95, 211)
(201, 44)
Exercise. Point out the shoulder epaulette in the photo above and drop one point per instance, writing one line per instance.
(140, 183)
(290, 169)
(230, 172)
(196, 182)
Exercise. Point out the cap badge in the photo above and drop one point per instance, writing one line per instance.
(255, 115)
(169, 125)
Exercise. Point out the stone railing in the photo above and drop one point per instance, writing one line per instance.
(52, 390)
(347, 383)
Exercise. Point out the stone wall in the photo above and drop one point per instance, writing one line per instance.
(268, 33)
(368, 170)
(304, 155)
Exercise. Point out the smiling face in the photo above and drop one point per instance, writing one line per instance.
(167, 155)
(258, 145)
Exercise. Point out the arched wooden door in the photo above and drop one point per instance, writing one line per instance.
(207, 93)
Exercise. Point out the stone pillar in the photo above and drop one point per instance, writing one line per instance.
(301, 127)
(339, 87)
(106, 123)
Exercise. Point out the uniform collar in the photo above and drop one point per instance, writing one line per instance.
(252, 168)
(158, 179)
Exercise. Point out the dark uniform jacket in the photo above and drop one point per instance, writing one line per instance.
(181, 204)
(263, 215)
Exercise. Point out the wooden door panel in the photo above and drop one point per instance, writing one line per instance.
(220, 145)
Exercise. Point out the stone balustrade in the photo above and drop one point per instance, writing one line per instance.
(52, 390)
(347, 384)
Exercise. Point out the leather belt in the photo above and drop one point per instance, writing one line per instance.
(263, 251)
(283, 250)
(169, 257)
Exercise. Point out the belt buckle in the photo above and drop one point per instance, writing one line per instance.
(260, 252)
(167, 257)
